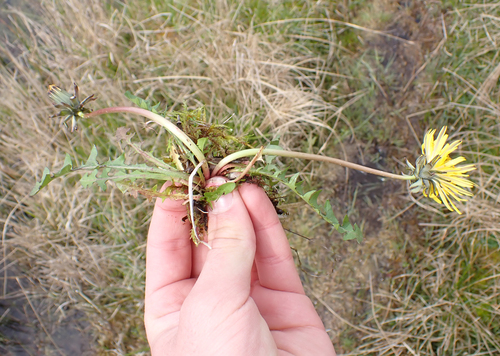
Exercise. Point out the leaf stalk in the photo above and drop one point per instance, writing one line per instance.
(160, 120)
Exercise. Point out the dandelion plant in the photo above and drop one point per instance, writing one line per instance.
(198, 150)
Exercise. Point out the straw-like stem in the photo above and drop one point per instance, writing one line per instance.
(308, 156)
(160, 120)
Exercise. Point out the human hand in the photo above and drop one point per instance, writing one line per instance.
(242, 297)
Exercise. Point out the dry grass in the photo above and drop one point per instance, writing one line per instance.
(410, 289)
(446, 300)
(84, 250)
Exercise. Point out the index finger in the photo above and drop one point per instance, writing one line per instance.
(273, 257)
(168, 251)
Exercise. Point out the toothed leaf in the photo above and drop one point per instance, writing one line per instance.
(271, 146)
(113, 170)
(351, 232)
(312, 197)
(48, 177)
(293, 181)
(226, 188)
(201, 143)
(89, 178)
(92, 160)
(143, 104)
(346, 229)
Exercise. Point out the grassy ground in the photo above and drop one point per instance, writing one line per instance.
(356, 79)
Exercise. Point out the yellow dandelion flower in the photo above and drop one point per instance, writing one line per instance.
(438, 176)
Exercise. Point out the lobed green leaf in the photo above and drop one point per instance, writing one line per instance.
(48, 177)
(212, 195)
(113, 170)
(143, 104)
(346, 229)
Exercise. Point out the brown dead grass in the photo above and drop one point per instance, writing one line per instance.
(84, 250)
(399, 293)
(430, 288)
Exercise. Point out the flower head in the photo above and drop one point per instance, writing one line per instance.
(71, 105)
(438, 176)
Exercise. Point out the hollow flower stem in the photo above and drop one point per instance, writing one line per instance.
(308, 156)
(174, 130)
(160, 120)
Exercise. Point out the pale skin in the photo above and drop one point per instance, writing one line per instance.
(242, 297)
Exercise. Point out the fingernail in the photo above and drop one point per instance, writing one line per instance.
(216, 181)
(223, 204)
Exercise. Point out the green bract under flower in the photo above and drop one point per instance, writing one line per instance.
(438, 176)
(71, 105)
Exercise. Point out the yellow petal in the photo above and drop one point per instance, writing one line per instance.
(440, 141)
(445, 200)
(450, 147)
(428, 145)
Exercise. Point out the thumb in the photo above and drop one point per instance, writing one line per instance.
(232, 238)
